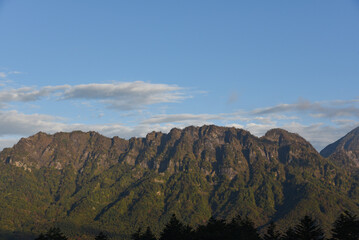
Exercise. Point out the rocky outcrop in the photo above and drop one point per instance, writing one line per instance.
(345, 151)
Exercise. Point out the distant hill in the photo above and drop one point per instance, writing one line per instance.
(345, 151)
(83, 182)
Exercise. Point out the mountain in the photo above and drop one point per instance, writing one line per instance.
(345, 151)
(85, 182)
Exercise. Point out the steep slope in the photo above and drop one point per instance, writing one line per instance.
(345, 151)
(85, 181)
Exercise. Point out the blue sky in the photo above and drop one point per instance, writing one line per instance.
(125, 68)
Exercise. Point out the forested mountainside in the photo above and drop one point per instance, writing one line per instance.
(83, 182)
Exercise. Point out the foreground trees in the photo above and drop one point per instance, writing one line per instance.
(346, 227)
(308, 229)
(272, 233)
(101, 236)
(52, 234)
(176, 230)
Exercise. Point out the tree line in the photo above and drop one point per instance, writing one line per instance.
(345, 227)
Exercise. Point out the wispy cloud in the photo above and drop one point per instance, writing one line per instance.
(119, 95)
(6, 74)
(181, 118)
(338, 117)
(14, 72)
(321, 134)
(126, 95)
(14, 123)
(326, 109)
(319, 122)
(28, 94)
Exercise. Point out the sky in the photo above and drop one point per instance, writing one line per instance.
(127, 68)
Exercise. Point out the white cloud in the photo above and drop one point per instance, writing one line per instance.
(13, 123)
(320, 134)
(328, 109)
(16, 123)
(8, 142)
(235, 125)
(126, 95)
(339, 116)
(27, 94)
(120, 95)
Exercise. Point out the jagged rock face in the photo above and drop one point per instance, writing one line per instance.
(86, 180)
(345, 151)
(62, 149)
(210, 149)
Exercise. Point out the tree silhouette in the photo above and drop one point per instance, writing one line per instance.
(101, 236)
(290, 234)
(346, 227)
(53, 233)
(175, 230)
(136, 235)
(272, 233)
(308, 229)
(41, 237)
(214, 229)
(248, 230)
(148, 235)
(242, 229)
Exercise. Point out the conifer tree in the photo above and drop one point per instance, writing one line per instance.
(175, 230)
(308, 229)
(346, 227)
(248, 230)
(137, 234)
(213, 230)
(148, 235)
(101, 236)
(272, 233)
(53, 233)
(243, 229)
(41, 237)
(289, 234)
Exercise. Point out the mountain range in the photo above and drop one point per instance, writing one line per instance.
(84, 182)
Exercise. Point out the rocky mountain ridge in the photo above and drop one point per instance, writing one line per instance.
(84, 180)
(202, 143)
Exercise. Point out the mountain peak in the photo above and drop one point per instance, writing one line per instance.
(345, 150)
(283, 137)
